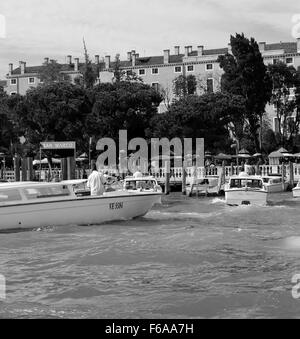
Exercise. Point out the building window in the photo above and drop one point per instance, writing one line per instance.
(13, 81)
(209, 67)
(275, 61)
(155, 85)
(289, 61)
(178, 69)
(155, 71)
(210, 85)
(31, 80)
(190, 68)
(142, 72)
(13, 93)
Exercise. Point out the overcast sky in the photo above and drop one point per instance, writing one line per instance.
(38, 28)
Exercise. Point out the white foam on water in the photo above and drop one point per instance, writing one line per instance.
(292, 243)
(218, 201)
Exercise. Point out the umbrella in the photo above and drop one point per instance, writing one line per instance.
(45, 161)
(256, 155)
(243, 153)
(222, 156)
(276, 155)
(282, 150)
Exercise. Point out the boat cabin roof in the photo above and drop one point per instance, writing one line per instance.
(140, 179)
(34, 184)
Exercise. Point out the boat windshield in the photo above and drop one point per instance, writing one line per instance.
(9, 195)
(250, 183)
(46, 192)
(137, 184)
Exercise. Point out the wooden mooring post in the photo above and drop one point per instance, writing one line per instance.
(167, 178)
(292, 181)
(184, 174)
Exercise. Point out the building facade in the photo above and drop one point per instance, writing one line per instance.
(161, 71)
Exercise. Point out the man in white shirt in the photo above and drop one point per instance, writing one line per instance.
(95, 182)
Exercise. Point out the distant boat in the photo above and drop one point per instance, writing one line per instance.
(275, 184)
(246, 190)
(35, 205)
(296, 191)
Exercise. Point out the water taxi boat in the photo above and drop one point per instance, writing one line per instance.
(275, 184)
(35, 205)
(246, 190)
(296, 191)
(142, 184)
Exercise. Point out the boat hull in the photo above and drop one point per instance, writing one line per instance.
(296, 192)
(276, 188)
(81, 211)
(246, 197)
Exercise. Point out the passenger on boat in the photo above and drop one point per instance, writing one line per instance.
(138, 174)
(95, 182)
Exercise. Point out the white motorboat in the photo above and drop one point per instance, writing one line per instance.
(35, 205)
(275, 184)
(246, 190)
(296, 191)
(142, 184)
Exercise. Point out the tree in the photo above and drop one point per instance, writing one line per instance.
(52, 73)
(205, 116)
(7, 127)
(283, 81)
(54, 112)
(245, 74)
(184, 85)
(122, 75)
(90, 75)
(122, 105)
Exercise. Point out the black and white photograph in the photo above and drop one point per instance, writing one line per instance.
(149, 162)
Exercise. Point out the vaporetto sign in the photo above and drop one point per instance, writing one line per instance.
(58, 145)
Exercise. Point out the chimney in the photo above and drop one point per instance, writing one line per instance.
(262, 46)
(166, 56)
(190, 49)
(69, 59)
(186, 51)
(133, 59)
(76, 67)
(46, 61)
(177, 50)
(229, 49)
(137, 55)
(107, 62)
(200, 50)
(10, 69)
(97, 59)
(129, 56)
(23, 67)
(298, 45)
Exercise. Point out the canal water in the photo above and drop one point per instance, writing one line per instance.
(189, 258)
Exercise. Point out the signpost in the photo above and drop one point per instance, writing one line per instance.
(60, 145)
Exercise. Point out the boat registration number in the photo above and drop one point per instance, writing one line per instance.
(116, 206)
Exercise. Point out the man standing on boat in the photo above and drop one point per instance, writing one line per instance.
(95, 182)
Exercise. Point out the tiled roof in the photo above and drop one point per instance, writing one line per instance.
(288, 47)
(38, 69)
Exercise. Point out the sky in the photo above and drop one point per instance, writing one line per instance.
(36, 29)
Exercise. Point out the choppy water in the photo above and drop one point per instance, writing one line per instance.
(190, 258)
